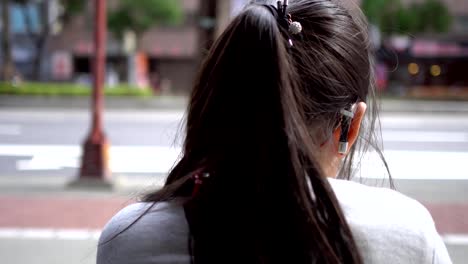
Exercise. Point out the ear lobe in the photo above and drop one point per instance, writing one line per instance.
(356, 123)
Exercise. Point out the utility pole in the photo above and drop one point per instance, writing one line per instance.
(94, 164)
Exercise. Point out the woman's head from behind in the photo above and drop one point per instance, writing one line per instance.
(264, 120)
(334, 73)
(252, 67)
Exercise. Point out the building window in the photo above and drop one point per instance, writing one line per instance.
(19, 24)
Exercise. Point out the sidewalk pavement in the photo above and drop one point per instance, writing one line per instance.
(180, 103)
(85, 211)
(48, 202)
(43, 215)
(51, 201)
(44, 220)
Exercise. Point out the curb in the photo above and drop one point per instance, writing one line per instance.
(180, 103)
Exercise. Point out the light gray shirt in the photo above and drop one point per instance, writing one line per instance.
(387, 226)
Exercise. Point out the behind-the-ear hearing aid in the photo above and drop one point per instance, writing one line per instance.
(347, 117)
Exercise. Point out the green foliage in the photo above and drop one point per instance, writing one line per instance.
(69, 89)
(393, 17)
(71, 8)
(141, 15)
(374, 9)
(405, 20)
(437, 16)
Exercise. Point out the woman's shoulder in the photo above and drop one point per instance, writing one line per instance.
(140, 214)
(144, 232)
(376, 203)
(380, 207)
(389, 227)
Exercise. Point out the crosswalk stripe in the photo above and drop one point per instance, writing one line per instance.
(404, 164)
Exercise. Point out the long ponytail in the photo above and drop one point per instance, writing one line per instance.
(267, 199)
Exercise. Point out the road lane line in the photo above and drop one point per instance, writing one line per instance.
(416, 165)
(403, 164)
(123, 159)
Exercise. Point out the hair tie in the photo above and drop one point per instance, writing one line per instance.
(285, 20)
(198, 178)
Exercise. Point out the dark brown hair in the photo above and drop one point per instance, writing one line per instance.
(257, 115)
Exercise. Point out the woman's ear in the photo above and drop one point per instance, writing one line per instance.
(354, 127)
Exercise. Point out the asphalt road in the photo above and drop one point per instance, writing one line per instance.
(48, 142)
(401, 131)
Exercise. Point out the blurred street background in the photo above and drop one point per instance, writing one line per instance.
(68, 163)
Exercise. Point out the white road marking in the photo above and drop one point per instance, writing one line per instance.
(159, 159)
(10, 130)
(419, 165)
(123, 159)
(423, 136)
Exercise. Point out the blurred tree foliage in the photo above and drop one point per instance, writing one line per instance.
(392, 17)
(139, 16)
(71, 8)
(437, 15)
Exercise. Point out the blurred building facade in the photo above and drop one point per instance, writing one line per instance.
(428, 64)
(166, 58)
(22, 48)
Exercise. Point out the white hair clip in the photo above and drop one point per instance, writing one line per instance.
(295, 28)
(285, 20)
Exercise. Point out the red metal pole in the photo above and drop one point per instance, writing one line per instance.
(94, 163)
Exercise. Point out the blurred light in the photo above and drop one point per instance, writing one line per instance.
(413, 68)
(436, 70)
